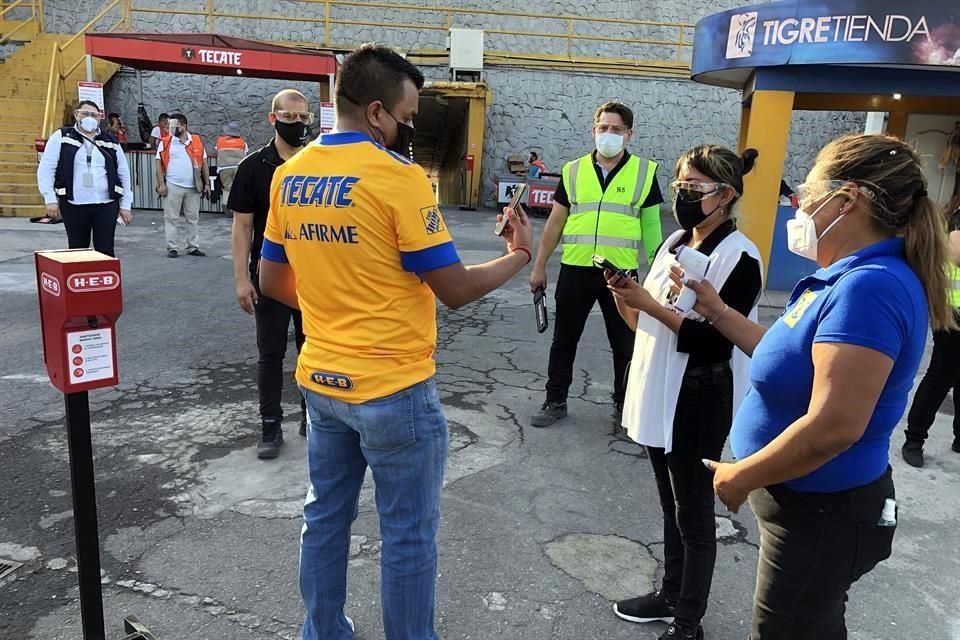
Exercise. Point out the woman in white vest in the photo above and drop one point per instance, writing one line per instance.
(683, 388)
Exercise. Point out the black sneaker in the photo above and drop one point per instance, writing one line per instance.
(303, 426)
(955, 447)
(172, 253)
(912, 453)
(196, 252)
(550, 412)
(270, 442)
(678, 632)
(653, 607)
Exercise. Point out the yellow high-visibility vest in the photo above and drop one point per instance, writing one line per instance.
(601, 222)
(953, 295)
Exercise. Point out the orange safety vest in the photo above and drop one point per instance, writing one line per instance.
(231, 142)
(194, 150)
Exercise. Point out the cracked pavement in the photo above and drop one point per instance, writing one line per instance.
(541, 530)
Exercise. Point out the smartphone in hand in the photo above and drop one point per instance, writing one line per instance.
(518, 192)
(602, 263)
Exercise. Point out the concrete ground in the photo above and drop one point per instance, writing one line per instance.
(542, 529)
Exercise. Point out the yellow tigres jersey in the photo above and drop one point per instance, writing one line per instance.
(357, 223)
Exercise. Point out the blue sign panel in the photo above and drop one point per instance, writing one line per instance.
(848, 32)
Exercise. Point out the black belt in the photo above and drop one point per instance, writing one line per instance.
(709, 369)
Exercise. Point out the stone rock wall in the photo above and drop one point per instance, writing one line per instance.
(549, 112)
(552, 113)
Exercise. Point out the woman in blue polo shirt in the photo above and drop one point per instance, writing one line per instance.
(829, 382)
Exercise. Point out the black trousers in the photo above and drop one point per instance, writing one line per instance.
(81, 221)
(942, 376)
(700, 428)
(578, 289)
(273, 326)
(813, 546)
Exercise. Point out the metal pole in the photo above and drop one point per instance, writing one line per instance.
(80, 448)
(331, 82)
(90, 69)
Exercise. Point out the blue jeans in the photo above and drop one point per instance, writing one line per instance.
(404, 439)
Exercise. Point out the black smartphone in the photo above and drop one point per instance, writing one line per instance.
(518, 191)
(602, 263)
(540, 307)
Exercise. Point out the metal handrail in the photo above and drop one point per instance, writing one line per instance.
(565, 26)
(56, 91)
(11, 7)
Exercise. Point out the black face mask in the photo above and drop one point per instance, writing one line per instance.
(405, 135)
(293, 133)
(690, 214)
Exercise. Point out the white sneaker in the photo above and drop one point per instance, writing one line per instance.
(350, 622)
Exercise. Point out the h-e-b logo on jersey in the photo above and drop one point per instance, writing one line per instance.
(432, 220)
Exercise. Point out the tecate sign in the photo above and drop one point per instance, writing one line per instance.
(94, 281)
(50, 284)
(217, 56)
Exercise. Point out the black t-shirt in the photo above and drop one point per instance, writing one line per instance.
(654, 198)
(741, 290)
(251, 193)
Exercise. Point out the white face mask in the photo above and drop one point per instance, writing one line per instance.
(609, 144)
(802, 236)
(89, 124)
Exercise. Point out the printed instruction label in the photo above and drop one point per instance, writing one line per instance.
(90, 355)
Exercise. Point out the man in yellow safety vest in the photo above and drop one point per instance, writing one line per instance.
(944, 371)
(607, 204)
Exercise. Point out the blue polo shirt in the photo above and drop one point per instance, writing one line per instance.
(871, 299)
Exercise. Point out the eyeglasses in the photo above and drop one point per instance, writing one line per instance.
(811, 192)
(689, 191)
(290, 117)
(88, 114)
(611, 128)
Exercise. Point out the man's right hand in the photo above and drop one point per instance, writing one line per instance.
(53, 211)
(247, 296)
(162, 189)
(538, 278)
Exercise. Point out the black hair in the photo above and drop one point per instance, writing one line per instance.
(179, 117)
(113, 115)
(91, 103)
(618, 108)
(373, 72)
(163, 116)
(534, 154)
(720, 164)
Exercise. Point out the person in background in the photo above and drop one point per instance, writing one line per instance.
(535, 166)
(353, 204)
(162, 130)
(943, 375)
(290, 116)
(682, 390)
(84, 178)
(830, 380)
(117, 128)
(182, 177)
(607, 204)
(230, 150)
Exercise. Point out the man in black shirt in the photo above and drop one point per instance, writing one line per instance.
(250, 201)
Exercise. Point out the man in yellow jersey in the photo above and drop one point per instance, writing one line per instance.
(355, 239)
(607, 204)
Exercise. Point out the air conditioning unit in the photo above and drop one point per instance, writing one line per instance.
(466, 51)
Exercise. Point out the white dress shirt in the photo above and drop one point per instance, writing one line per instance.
(180, 168)
(99, 193)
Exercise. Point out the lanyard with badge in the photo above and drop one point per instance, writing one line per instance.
(88, 174)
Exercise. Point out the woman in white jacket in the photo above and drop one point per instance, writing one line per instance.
(686, 379)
